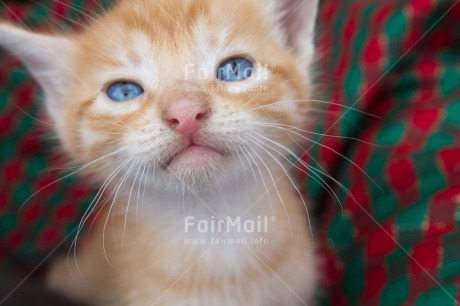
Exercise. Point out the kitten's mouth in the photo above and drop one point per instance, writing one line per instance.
(193, 154)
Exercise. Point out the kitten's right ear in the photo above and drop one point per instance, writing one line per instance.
(47, 57)
(297, 19)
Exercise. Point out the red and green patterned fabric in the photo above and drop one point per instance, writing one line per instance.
(389, 74)
(391, 70)
(35, 213)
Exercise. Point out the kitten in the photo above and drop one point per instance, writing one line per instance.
(185, 110)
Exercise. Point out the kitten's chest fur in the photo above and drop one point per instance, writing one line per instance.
(150, 259)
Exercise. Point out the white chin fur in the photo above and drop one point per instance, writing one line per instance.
(196, 175)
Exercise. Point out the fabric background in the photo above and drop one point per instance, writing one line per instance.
(35, 213)
(389, 75)
(396, 240)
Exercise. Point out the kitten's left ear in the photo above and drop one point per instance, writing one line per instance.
(47, 57)
(297, 20)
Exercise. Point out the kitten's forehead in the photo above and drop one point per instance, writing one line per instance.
(175, 32)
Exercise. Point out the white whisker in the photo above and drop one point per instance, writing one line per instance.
(89, 212)
(127, 207)
(256, 141)
(290, 127)
(316, 101)
(336, 152)
(70, 174)
(119, 186)
(313, 172)
(275, 186)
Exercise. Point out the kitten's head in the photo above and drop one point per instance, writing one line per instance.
(189, 89)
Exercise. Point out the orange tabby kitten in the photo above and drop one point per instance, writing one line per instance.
(180, 108)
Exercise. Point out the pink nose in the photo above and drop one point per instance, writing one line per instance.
(186, 116)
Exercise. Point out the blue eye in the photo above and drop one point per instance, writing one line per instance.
(124, 91)
(235, 69)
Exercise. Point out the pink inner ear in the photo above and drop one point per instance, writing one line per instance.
(295, 19)
(298, 21)
(294, 27)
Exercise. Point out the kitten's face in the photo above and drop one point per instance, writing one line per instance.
(179, 117)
